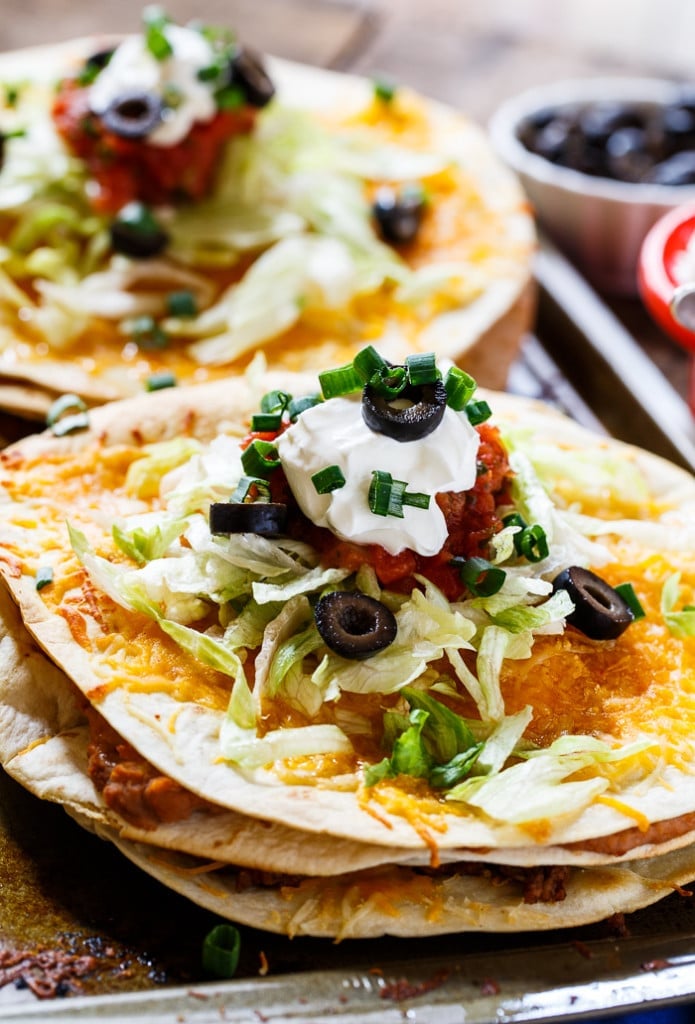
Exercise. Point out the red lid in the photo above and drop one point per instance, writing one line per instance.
(658, 272)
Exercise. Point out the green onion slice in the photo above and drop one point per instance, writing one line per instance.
(344, 380)
(422, 368)
(532, 543)
(260, 458)
(155, 21)
(389, 381)
(275, 401)
(244, 490)
(514, 519)
(66, 403)
(478, 412)
(627, 592)
(221, 949)
(384, 89)
(61, 424)
(367, 362)
(460, 388)
(182, 304)
(147, 333)
(266, 422)
(388, 496)
(482, 578)
(44, 576)
(161, 380)
(329, 479)
(299, 405)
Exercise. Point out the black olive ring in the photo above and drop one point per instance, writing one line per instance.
(600, 612)
(265, 518)
(133, 115)
(405, 422)
(354, 625)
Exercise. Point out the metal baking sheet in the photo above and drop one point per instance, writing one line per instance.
(64, 891)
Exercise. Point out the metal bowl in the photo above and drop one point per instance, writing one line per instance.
(599, 223)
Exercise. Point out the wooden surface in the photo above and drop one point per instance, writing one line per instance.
(470, 54)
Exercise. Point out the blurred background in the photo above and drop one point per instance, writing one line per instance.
(469, 53)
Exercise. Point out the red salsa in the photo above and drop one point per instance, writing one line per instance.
(471, 518)
(127, 169)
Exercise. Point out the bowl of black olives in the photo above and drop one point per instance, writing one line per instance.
(601, 160)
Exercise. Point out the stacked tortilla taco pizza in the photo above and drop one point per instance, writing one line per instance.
(368, 652)
(171, 203)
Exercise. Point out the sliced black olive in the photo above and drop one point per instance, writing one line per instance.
(415, 413)
(97, 61)
(600, 612)
(266, 518)
(353, 624)
(398, 215)
(136, 232)
(250, 75)
(133, 115)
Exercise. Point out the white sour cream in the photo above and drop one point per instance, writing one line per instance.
(134, 68)
(335, 434)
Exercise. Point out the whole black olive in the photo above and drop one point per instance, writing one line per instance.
(678, 169)
(266, 518)
(133, 115)
(628, 154)
(599, 120)
(415, 413)
(248, 73)
(354, 625)
(398, 215)
(136, 232)
(600, 612)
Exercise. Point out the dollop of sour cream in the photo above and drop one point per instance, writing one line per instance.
(133, 68)
(334, 433)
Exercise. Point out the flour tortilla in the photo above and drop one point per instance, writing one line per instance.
(400, 901)
(357, 890)
(484, 335)
(43, 745)
(188, 753)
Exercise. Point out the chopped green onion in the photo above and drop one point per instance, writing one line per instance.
(482, 578)
(155, 21)
(389, 381)
(478, 412)
(384, 89)
(182, 304)
(299, 405)
(66, 403)
(246, 485)
(344, 380)
(627, 592)
(329, 479)
(44, 576)
(368, 362)
(230, 98)
(221, 949)
(387, 496)
(260, 458)
(12, 93)
(460, 388)
(422, 368)
(532, 543)
(275, 401)
(514, 519)
(61, 424)
(147, 333)
(161, 380)
(266, 422)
